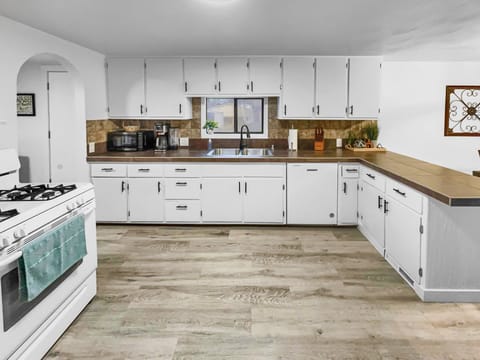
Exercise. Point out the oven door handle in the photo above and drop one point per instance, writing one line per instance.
(10, 259)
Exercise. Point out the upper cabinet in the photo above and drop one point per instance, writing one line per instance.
(126, 87)
(331, 87)
(165, 94)
(265, 76)
(298, 88)
(232, 75)
(364, 87)
(200, 76)
(151, 88)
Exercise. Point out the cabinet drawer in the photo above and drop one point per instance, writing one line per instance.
(182, 188)
(405, 195)
(145, 170)
(350, 171)
(182, 210)
(109, 170)
(373, 178)
(182, 170)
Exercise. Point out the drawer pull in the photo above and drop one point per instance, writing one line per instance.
(181, 207)
(371, 176)
(312, 169)
(107, 169)
(400, 192)
(144, 170)
(351, 170)
(380, 202)
(180, 170)
(181, 184)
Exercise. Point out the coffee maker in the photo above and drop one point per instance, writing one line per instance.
(161, 136)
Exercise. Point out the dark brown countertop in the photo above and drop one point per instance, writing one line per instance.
(449, 186)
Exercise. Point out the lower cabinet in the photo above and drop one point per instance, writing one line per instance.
(222, 200)
(312, 194)
(371, 215)
(347, 213)
(145, 200)
(111, 198)
(264, 200)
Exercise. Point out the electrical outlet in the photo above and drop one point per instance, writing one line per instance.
(184, 141)
(91, 147)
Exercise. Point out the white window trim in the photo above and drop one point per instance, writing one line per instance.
(203, 118)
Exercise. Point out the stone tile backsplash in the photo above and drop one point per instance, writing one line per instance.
(277, 129)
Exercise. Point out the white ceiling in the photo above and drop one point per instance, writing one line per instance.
(420, 29)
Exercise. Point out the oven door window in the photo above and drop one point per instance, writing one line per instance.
(14, 308)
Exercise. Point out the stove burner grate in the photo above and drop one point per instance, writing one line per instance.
(35, 192)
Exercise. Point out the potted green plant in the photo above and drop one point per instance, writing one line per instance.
(371, 133)
(210, 127)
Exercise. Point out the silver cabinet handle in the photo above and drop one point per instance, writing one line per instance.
(180, 170)
(181, 207)
(312, 169)
(107, 169)
(351, 170)
(144, 170)
(181, 183)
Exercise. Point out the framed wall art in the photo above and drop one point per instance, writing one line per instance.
(25, 104)
(462, 110)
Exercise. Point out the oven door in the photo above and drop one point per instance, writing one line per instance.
(19, 319)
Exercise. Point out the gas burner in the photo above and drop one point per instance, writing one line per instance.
(7, 214)
(35, 192)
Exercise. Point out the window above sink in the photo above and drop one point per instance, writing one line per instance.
(231, 113)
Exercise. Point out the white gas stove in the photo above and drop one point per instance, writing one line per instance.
(27, 211)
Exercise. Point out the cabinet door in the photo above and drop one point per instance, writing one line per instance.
(165, 91)
(298, 87)
(232, 75)
(200, 76)
(331, 87)
(364, 87)
(111, 199)
(145, 200)
(265, 76)
(222, 200)
(402, 237)
(264, 200)
(372, 218)
(347, 201)
(126, 87)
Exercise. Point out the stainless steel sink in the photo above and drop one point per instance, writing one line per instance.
(252, 152)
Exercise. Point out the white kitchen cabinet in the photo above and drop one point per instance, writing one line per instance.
(371, 215)
(265, 76)
(200, 76)
(165, 92)
(145, 200)
(264, 200)
(403, 238)
(348, 175)
(111, 199)
(126, 87)
(312, 194)
(222, 200)
(331, 87)
(297, 99)
(232, 73)
(364, 87)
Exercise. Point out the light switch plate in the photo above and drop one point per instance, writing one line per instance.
(91, 147)
(184, 141)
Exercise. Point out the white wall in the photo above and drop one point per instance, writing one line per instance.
(412, 112)
(17, 44)
(33, 130)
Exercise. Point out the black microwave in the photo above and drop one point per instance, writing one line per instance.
(130, 140)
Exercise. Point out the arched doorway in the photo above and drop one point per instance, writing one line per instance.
(52, 143)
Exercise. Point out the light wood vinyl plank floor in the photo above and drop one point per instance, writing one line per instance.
(258, 293)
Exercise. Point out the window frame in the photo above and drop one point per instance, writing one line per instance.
(235, 135)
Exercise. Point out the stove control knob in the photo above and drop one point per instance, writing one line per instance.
(70, 206)
(80, 202)
(18, 234)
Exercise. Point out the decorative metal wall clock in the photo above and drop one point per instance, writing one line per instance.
(462, 111)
